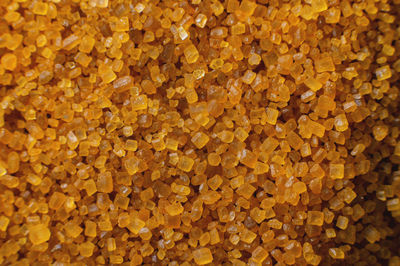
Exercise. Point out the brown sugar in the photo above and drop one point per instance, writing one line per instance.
(199, 132)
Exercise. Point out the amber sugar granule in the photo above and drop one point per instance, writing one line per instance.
(197, 132)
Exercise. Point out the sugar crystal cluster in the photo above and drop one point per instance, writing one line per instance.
(199, 132)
